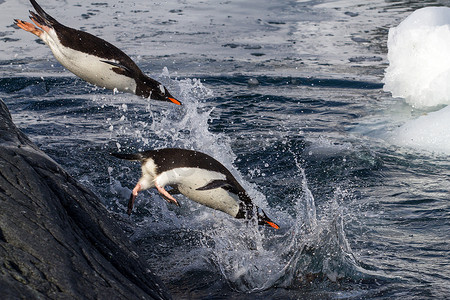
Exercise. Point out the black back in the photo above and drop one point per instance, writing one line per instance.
(90, 44)
(171, 158)
(86, 42)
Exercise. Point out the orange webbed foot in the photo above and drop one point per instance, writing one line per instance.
(27, 26)
(166, 195)
(133, 196)
(36, 21)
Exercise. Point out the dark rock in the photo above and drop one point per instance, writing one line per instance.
(57, 240)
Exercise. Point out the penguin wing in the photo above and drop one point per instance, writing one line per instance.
(226, 185)
(119, 68)
(215, 184)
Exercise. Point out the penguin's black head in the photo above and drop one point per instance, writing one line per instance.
(150, 88)
(162, 94)
(246, 211)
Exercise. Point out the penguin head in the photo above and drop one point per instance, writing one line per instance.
(162, 94)
(150, 88)
(247, 211)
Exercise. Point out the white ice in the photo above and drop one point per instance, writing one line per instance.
(429, 132)
(419, 58)
(419, 72)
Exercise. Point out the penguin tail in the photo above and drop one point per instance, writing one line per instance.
(128, 156)
(42, 17)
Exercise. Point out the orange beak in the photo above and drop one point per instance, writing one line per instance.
(175, 101)
(273, 225)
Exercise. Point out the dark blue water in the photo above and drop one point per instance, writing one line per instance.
(289, 97)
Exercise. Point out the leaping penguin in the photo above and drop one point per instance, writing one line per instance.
(197, 176)
(93, 59)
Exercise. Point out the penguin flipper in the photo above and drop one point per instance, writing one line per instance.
(119, 68)
(215, 184)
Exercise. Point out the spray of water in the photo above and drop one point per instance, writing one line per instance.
(250, 257)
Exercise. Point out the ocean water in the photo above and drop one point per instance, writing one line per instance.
(289, 97)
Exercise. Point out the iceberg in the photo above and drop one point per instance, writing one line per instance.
(419, 58)
(419, 72)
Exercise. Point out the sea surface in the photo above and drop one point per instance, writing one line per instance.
(289, 96)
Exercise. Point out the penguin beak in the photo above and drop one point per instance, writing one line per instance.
(174, 101)
(272, 224)
(263, 219)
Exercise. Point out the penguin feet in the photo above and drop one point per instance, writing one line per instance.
(27, 26)
(166, 195)
(160, 189)
(39, 21)
(131, 203)
(133, 196)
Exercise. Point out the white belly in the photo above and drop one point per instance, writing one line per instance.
(189, 179)
(218, 199)
(88, 67)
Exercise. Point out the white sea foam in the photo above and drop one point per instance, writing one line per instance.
(257, 259)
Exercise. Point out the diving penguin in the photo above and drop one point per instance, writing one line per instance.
(197, 176)
(93, 59)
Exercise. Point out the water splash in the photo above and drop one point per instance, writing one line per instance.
(148, 124)
(251, 258)
(257, 258)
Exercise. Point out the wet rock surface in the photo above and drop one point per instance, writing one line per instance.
(56, 238)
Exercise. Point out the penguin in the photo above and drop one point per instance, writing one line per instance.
(92, 58)
(197, 176)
